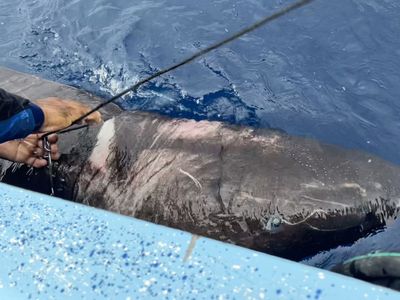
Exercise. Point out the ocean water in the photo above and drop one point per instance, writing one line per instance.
(330, 71)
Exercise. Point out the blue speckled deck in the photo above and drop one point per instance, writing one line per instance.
(54, 249)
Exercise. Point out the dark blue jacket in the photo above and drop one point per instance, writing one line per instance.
(18, 117)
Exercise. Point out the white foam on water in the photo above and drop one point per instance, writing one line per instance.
(106, 77)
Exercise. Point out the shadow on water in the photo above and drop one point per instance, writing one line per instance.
(222, 105)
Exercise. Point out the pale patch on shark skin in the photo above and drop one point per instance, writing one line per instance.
(245, 196)
(268, 143)
(272, 142)
(347, 185)
(334, 203)
(100, 153)
(315, 184)
(187, 130)
(315, 202)
(192, 130)
(353, 185)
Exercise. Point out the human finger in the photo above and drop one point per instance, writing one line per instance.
(52, 138)
(93, 118)
(55, 154)
(39, 163)
(36, 162)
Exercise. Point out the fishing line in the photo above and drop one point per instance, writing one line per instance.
(198, 54)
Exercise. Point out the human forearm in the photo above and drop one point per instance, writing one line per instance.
(20, 117)
(21, 124)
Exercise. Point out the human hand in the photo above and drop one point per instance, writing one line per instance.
(29, 150)
(60, 113)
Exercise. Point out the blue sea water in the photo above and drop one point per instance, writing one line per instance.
(330, 71)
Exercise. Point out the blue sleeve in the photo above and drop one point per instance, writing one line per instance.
(21, 124)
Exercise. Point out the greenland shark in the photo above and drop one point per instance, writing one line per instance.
(258, 188)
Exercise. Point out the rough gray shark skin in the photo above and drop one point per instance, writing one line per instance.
(257, 188)
(262, 189)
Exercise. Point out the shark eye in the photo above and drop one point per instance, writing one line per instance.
(276, 221)
(272, 223)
